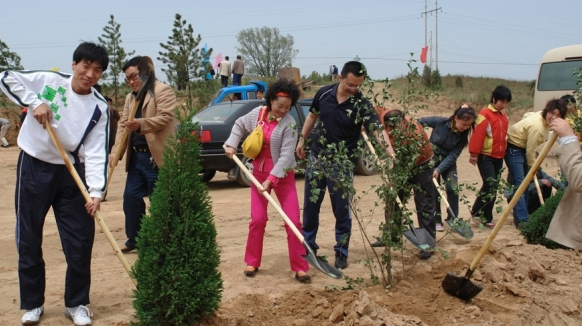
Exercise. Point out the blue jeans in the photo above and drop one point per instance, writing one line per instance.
(236, 79)
(340, 207)
(516, 162)
(141, 177)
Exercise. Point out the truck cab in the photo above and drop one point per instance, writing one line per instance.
(234, 93)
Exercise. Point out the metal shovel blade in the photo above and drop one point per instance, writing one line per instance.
(461, 227)
(460, 287)
(147, 77)
(321, 264)
(419, 237)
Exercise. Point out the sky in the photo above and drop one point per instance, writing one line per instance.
(494, 38)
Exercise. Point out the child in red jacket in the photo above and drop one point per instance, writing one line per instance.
(487, 148)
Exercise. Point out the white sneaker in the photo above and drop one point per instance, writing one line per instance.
(439, 227)
(80, 315)
(32, 317)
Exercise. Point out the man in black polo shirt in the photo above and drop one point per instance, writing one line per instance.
(340, 110)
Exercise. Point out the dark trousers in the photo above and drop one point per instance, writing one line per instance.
(533, 202)
(489, 168)
(224, 80)
(236, 79)
(450, 179)
(340, 207)
(141, 177)
(40, 185)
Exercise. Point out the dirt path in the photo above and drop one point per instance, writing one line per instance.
(524, 284)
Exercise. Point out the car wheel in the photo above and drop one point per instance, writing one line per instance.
(366, 164)
(207, 175)
(242, 178)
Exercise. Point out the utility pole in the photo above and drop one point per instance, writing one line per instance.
(435, 10)
(430, 62)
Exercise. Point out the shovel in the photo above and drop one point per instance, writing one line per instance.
(458, 225)
(462, 287)
(311, 258)
(83, 190)
(147, 78)
(418, 236)
(537, 184)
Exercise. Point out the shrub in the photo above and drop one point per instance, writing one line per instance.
(426, 76)
(535, 229)
(177, 266)
(458, 82)
(436, 82)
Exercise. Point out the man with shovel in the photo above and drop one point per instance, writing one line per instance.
(154, 122)
(79, 117)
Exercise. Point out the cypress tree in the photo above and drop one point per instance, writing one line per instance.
(177, 267)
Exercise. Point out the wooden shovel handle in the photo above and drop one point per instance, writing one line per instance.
(373, 150)
(122, 146)
(539, 190)
(443, 197)
(87, 197)
(254, 180)
(513, 201)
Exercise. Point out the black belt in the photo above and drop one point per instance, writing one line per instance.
(514, 146)
(141, 149)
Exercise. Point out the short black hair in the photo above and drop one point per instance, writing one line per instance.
(238, 57)
(91, 52)
(133, 62)
(501, 93)
(355, 67)
(556, 104)
(226, 58)
(285, 86)
(568, 98)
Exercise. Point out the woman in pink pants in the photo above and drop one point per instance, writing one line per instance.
(273, 168)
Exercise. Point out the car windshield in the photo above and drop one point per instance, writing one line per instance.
(217, 113)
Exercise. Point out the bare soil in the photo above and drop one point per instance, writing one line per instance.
(523, 284)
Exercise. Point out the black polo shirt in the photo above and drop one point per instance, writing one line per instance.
(340, 122)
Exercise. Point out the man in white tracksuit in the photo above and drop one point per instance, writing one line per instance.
(80, 119)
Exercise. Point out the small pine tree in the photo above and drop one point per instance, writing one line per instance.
(458, 82)
(426, 76)
(436, 82)
(177, 267)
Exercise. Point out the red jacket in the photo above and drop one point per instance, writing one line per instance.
(490, 135)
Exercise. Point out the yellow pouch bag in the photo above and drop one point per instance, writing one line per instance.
(254, 143)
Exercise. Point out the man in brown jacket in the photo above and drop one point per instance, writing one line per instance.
(154, 122)
(238, 70)
(566, 225)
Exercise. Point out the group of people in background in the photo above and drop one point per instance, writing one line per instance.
(236, 70)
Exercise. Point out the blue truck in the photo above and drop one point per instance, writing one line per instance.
(244, 92)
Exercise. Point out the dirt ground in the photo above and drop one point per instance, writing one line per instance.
(523, 284)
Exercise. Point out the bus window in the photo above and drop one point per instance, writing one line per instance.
(558, 76)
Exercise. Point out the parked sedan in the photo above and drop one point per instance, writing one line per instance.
(215, 124)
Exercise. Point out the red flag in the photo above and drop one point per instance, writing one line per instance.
(423, 54)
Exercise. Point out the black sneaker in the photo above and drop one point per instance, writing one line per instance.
(424, 254)
(341, 261)
(378, 244)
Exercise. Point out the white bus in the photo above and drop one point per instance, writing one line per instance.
(555, 77)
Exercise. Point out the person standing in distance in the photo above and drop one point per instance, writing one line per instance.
(79, 118)
(154, 122)
(225, 71)
(238, 70)
(339, 110)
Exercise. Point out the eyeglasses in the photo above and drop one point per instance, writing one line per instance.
(131, 78)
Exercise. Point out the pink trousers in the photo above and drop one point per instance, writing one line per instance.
(287, 194)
